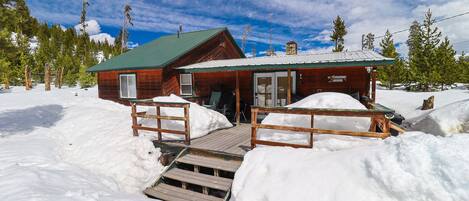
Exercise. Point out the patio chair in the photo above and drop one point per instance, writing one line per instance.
(215, 97)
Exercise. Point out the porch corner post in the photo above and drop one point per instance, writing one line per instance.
(373, 85)
(289, 87)
(238, 100)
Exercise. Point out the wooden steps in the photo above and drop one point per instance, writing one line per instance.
(172, 193)
(215, 163)
(196, 175)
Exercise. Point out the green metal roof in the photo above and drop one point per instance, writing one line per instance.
(158, 53)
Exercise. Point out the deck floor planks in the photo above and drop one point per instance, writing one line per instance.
(231, 140)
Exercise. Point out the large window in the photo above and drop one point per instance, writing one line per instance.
(186, 84)
(128, 86)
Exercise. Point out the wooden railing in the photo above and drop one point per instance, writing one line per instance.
(148, 102)
(378, 119)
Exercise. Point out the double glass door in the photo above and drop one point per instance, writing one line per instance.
(270, 89)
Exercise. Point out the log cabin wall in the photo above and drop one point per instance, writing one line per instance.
(148, 84)
(219, 47)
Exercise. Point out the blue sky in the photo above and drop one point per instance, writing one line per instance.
(304, 21)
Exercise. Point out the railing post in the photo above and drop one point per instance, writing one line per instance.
(158, 122)
(386, 127)
(134, 119)
(187, 127)
(253, 127)
(312, 126)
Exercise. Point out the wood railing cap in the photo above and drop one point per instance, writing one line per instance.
(378, 110)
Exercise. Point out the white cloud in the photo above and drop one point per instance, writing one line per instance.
(92, 27)
(305, 21)
(101, 37)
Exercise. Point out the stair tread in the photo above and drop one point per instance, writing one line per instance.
(200, 179)
(211, 162)
(173, 193)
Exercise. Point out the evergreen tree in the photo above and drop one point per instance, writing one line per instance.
(448, 70)
(338, 34)
(463, 63)
(392, 74)
(83, 24)
(423, 60)
(368, 42)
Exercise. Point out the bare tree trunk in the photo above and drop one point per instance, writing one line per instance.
(47, 77)
(27, 78)
(6, 82)
(60, 77)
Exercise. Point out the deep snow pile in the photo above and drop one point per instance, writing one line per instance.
(202, 120)
(69, 145)
(319, 100)
(414, 166)
(447, 120)
(450, 115)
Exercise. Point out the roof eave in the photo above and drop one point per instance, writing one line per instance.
(290, 66)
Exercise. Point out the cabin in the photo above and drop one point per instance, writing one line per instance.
(193, 65)
(150, 70)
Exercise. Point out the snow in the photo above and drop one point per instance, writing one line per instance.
(69, 145)
(202, 120)
(450, 115)
(319, 100)
(414, 166)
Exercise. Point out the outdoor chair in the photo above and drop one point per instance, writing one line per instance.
(215, 97)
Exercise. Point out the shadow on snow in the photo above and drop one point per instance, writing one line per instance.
(26, 120)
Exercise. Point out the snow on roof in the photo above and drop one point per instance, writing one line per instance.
(333, 59)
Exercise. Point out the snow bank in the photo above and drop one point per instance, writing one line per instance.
(202, 120)
(69, 145)
(413, 167)
(319, 100)
(446, 120)
(449, 116)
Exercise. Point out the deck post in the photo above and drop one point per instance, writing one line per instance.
(254, 127)
(158, 122)
(289, 87)
(187, 127)
(238, 100)
(134, 119)
(312, 133)
(373, 85)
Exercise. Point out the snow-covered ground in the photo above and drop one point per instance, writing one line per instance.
(412, 166)
(450, 116)
(69, 145)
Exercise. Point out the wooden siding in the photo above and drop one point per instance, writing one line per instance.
(216, 48)
(157, 82)
(205, 83)
(310, 81)
(148, 84)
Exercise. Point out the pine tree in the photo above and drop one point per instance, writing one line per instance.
(7, 53)
(25, 58)
(338, 34)
(368, 42)
(428, 70)
(463, 63)
(393, 74)
(414, 43)
(448, 70)
(83, 24)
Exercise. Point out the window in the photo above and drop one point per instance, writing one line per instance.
(128, 86)
(186, 84)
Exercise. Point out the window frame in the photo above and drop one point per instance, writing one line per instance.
(128, 89)
(181, 84)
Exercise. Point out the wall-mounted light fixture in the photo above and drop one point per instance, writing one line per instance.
(369, 69)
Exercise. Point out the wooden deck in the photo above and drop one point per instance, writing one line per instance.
(235, 140)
